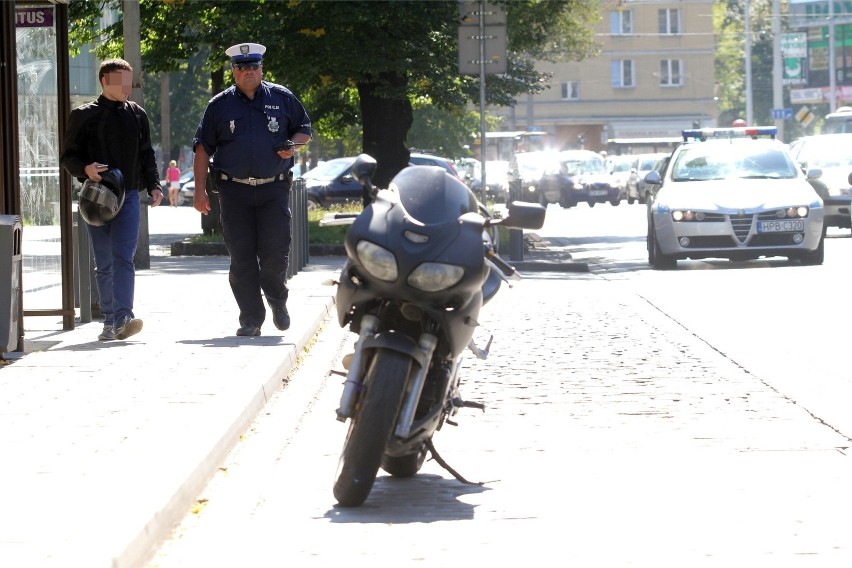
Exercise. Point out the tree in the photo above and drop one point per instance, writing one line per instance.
(361, 62)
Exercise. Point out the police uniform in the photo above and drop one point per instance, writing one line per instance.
(240, 134)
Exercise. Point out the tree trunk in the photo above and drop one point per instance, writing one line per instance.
(386, 123)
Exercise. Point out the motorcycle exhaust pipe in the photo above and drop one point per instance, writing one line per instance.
(352, 384)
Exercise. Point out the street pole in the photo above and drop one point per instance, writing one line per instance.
(777, 77)
(749, 105)
(133, 55)
(482, 145)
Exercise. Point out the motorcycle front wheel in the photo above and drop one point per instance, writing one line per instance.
(371, 427)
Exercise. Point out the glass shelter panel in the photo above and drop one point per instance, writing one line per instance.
(39, 134)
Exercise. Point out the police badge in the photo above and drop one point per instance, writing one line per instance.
(273, 124)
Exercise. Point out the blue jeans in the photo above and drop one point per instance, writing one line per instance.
(256, 228)
(114, 245)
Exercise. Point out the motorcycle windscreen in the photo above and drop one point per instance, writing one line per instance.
(432, 196)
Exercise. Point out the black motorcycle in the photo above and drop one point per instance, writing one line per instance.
(421, 263)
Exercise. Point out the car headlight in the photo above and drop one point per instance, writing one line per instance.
(679, 215)
(435, 276)
(378, 261)
(792, 212)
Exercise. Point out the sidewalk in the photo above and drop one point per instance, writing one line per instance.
(106, 445)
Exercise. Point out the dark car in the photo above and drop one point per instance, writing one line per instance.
(332, 183)
(531, 169)
(582, 176)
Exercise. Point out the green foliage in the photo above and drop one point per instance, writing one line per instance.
(400, 52)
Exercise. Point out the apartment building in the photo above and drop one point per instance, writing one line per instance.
(653, 78)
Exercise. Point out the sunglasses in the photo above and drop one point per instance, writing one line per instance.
(245, 66)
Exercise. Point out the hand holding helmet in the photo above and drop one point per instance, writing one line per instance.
(101, 200)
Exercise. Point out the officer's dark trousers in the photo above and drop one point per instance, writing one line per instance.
(256, 226)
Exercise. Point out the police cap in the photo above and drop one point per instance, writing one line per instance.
(246, 53)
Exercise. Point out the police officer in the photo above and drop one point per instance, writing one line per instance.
(251, 131)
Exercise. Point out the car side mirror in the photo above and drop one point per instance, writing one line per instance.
(653, 178)
(815, 173)
(849, 179)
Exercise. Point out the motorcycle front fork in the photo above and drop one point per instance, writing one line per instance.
(355, 377)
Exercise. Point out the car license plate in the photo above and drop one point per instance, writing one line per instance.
(781, 226)
(597, 192)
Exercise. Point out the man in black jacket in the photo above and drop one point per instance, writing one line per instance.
(113, 133)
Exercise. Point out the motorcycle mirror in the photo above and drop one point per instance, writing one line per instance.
(364, 168)
(524, 215)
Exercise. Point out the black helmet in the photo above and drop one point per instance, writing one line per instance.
(100, 201)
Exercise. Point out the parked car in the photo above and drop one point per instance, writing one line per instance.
(496, 180)
(623, 171)
(582, 176)
(733, 193)
(831, 153)
(331, 182)
(428, 160)
(646, 163)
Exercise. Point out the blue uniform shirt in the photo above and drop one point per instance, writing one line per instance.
(240, 134)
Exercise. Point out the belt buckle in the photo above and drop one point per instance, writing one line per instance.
(252, 181)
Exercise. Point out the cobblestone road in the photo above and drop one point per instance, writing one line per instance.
(612, 437)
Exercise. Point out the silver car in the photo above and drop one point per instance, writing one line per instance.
(733, 193)
(832, 154)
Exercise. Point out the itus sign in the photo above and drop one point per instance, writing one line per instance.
(34, 17)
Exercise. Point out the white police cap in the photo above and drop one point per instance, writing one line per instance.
(245, 52)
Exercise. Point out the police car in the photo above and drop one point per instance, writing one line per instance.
(733, 193)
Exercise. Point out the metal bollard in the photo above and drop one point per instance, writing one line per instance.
(516, 236)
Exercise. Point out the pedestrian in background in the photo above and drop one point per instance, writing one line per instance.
(247, 130)
(113, 133)
(173, 177)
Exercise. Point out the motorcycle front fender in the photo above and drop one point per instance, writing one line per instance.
(399, 343)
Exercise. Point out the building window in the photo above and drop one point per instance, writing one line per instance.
(669, 21)
(570, 90)
(621, 22)
(670, 73)
(622, 73)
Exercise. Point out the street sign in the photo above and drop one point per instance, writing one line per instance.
(805, 116)
(494, 38)
(782, 113)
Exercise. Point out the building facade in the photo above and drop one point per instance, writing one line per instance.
(654, 77)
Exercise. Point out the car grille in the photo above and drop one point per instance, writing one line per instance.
(712, 241)
(741, 225)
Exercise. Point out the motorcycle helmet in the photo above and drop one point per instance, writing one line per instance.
(100, 201)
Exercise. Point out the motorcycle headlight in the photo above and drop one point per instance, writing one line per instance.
(377, 260)
(435, 276)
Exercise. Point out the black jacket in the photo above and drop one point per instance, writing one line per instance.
(113, 133)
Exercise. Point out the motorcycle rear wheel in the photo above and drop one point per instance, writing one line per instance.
(371, 427)
(405, 466)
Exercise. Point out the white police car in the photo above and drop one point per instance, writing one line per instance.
(733, 193)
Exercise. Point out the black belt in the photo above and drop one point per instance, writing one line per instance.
(255, 181)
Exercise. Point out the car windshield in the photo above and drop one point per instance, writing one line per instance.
(647, 164)
(830, 153)
(576, 167)
(707, 161)
(329, 170)
(533, 165)
(619, 166)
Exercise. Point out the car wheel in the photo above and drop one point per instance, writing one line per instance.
(615, 202)
(816, 257)
(656, 258)
(630, 201)
(591, 203)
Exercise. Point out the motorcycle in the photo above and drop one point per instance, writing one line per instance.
(421, 262)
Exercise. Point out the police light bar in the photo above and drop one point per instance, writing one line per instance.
(739, 132)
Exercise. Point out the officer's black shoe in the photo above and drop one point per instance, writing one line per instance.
(280, 316)
(249, 331)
